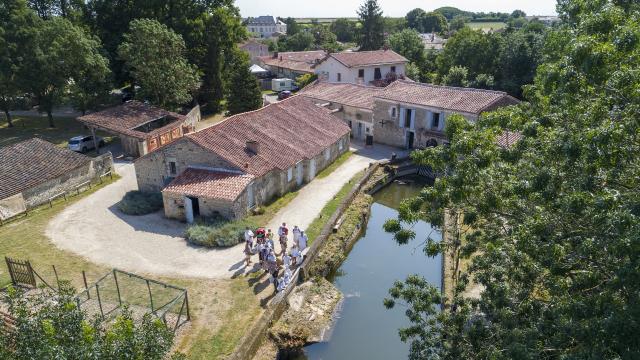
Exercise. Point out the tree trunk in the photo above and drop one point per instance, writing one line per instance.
(50, 116)
(8, 115)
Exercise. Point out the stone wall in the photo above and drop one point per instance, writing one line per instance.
(387, 130)
(153, 172)
(67, 182)
(174, 206)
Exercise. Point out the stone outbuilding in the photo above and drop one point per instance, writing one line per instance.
(34, 170)
(141, 127)
(244, 161)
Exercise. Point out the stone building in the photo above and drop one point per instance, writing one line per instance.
(413, 115)
(142, 128)
(34, 170)
(255, 50)
(352, 103)
(405, 114)
(244, 161)
(362, 67)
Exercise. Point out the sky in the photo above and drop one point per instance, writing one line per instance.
(395, 8)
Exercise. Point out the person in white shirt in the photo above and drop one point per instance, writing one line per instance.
(286, 260)
(302, 242)
(296, 235)
(296, 255)
(248, 236)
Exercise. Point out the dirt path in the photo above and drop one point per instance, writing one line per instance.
(152, 244)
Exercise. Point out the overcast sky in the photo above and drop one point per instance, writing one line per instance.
(396, 8)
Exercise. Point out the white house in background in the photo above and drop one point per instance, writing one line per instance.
(362, 67)
(266, 26)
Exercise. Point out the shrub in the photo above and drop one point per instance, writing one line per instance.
(51, 326)
(140, 203)
(217, 232)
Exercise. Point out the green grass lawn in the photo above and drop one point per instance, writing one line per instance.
(319, 222)
(27, 127)
(487, 25)
(24, 238)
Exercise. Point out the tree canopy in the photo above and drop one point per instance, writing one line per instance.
(244, 92)
(372, 31)
(550, 221)
(155, 57)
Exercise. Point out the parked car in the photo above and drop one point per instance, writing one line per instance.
(284, 94)
(84, 143)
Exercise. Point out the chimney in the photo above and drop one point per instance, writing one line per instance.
(253, 146)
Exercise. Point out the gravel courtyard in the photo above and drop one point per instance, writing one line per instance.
(96, 229)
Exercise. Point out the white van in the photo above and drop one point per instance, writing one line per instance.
(283, 84)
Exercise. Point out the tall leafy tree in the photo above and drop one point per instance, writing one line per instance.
(434, 22)
(292, 26)
(551, 217)
(372, 31)
(415, 19)
(408, 43)
(344, 29)
(18, 29)
(244, 92)
(62, 54)
(155, 57)
(472, 49)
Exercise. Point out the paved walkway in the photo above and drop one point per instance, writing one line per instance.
(95, 229)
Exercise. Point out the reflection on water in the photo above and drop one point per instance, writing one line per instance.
(365, 329)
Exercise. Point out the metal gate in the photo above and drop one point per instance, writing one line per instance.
(21, 272)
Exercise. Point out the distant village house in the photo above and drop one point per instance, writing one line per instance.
(292, 64)
(266, 26)
(255, 49)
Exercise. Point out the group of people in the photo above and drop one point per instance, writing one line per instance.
(262, 243)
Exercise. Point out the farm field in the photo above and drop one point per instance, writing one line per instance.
(487, 25)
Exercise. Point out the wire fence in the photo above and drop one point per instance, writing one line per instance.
(106, 297)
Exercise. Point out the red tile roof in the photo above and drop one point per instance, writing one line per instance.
(32, 162)
(359, 96)
(466, 100)
(209, 184)
(365, 58)
(301, 61)
(508, 138)
(287, 132)
(123, 119)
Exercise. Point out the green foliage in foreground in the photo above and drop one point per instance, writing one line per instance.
(50, 325)
(553, 220)
(140, 203)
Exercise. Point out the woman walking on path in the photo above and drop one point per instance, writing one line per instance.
(283, 232)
